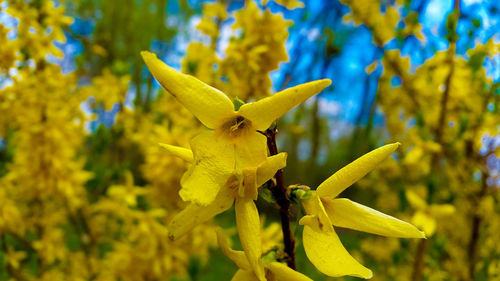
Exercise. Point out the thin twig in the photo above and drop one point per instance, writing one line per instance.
(477, 220)
(279, 193)
(418, 264)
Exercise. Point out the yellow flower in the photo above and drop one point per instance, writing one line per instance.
(321, 243)
(126, 193)
(270, 271)
(426, 215)
(233, 144)
(241, 188)
(15, 257)
(290, 4)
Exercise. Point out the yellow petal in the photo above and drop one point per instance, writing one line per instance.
(268, 168)
(238, 257)
(248, 223)
(251, 150)
(248, 187)
(415, 201)
(318, 218)
(283, 272)
(208, 104)
(194, 214)
(244, 275)
(265, 111)
(441, 210)
(426, 222)
(348, 214)
(181, 152)
(328, 255)
(251, 153)
(213, 165)
(354, 171)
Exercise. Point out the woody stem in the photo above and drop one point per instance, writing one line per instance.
(418, 264)
(279, 193)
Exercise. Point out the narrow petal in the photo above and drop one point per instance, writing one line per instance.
(441, 210)
(328, 255)
(348, 214)
(181, 152)
(255, 177)
(354, 171)
(244, 275)
(213, 165)
(238, 257)
(415, 201)
(194, 214)
(425, 221)
(283, 272)
(208, 104)
(268, 168)
(248, 223)
(265, 111)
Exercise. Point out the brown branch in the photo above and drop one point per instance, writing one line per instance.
(418, 264)
(446, 95)
(477, 220)
(279, 193)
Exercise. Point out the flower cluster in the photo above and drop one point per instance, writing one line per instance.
(445, 112)
(72, 207)
(256, 47)
(229, 163)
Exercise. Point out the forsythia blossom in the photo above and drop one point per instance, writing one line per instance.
(426, 215)
(234, 138)
(321, 243)
(230, 162)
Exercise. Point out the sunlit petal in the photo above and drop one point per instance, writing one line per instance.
(248, 223)
(415, 201)
(181, 152)
(268, 168)
(244, 275)
(348, 214)
(441, 210)
(251, 151)
(213, 164)
(425, 221)
(265, 111)
(328, 255)
(283, 272)
(208, 104)
(354, 171)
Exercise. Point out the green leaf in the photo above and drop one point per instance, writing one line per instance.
(237, 103)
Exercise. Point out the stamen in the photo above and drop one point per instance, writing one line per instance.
(236, 126)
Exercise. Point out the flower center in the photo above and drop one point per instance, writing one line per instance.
(236, 126)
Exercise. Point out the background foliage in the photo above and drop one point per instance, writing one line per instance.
(85, 191)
